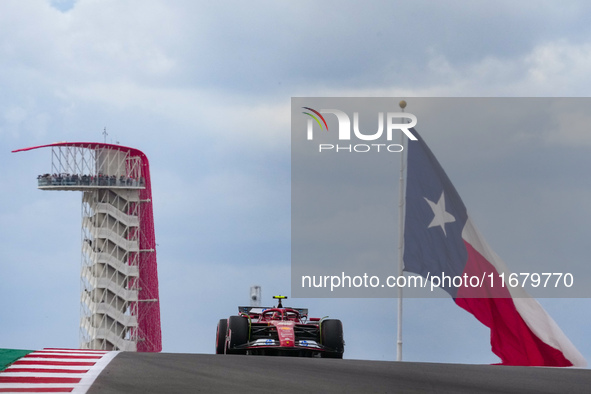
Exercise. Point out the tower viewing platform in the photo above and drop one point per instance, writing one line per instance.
(66, 181)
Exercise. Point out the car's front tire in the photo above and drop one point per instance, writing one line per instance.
(238, 330)
(332, 337)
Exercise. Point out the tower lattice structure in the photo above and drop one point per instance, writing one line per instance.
(120, 308)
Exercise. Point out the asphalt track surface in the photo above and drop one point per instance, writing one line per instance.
(140, 373)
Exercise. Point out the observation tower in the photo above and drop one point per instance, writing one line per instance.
(120, 308)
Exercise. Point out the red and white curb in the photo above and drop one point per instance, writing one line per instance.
(55, 371)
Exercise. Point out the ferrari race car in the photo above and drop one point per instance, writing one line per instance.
(279, 331)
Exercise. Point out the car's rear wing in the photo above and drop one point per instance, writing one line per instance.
(261, 309)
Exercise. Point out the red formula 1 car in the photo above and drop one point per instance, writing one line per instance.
(279, 331)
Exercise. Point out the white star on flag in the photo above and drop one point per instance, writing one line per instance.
(441, 216)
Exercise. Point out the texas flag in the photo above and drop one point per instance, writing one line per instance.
(440, 239)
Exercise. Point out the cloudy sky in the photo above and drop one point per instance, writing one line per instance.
(204, 89)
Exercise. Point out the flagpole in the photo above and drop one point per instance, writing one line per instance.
(402, 105)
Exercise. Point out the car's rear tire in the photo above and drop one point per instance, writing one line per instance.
(238, 330)
(220, 336)
(332, 337)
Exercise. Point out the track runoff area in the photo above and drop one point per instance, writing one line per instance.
(51, 370)
(96, 372)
